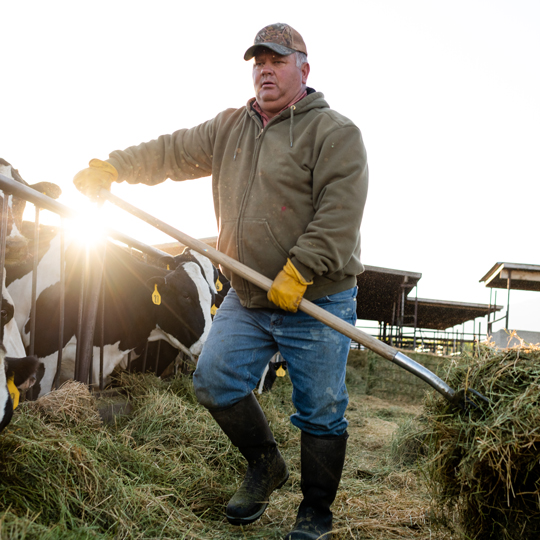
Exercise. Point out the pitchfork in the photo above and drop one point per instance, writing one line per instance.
(466, 399)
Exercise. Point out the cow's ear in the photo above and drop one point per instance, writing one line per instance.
(157, 280)
(168, 262)
(157, 286)
(48, 188)
(180, 259)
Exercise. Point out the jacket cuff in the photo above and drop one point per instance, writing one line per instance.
(118, 167)
(307, 273)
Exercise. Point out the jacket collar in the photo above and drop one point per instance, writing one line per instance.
(305, 104)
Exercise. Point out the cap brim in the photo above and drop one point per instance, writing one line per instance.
(276, 47)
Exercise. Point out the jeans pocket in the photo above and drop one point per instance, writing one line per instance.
(343, 296)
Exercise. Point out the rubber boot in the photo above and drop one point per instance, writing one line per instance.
(247, 428)
(321, 467)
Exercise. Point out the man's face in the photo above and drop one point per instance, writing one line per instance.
(277, 80)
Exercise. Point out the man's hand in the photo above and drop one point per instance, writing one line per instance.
(288, 288)
(99, 175)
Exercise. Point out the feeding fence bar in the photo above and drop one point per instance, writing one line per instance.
(91, 286)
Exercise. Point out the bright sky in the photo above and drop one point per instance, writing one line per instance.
(446, 95)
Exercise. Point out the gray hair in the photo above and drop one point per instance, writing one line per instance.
(301, 59)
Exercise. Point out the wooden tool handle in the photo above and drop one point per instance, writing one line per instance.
(306, 306)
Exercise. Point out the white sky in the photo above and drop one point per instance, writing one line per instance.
(446, 94)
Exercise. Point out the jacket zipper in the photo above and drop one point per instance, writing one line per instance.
(243, 204)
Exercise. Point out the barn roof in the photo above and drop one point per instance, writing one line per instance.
(443, 314)
(379, 290)
(504, 275)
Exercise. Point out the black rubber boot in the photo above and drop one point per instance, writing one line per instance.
(322, 464)
(247, 428)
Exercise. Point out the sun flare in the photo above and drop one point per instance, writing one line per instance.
(88, 228)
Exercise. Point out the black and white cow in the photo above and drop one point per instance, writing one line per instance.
(16, 242)
(131, 318)
(222, 284)
(16, 252)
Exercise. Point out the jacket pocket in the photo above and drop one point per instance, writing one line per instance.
(261, 250)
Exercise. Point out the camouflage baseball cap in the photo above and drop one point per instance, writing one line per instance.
(280, 38)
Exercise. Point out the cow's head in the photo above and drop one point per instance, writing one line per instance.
(185, 304)
(22, 371)
(16, 375)
(16, 243)
(218, 283)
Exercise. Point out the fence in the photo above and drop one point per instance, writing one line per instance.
(438, 342)
(385, 380)
(91, 291)
(91, 295)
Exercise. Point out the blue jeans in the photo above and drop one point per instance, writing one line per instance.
(242, 341)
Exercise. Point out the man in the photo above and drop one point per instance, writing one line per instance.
(289, 185)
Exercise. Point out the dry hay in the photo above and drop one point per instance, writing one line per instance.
(484, 469)
(72, 403)
(167, 471)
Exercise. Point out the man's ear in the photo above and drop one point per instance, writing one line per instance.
(305, 72)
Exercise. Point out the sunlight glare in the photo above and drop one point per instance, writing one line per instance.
(88, 228)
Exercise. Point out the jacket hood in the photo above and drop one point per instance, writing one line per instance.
(314, 100)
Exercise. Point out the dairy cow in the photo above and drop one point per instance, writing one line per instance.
(130, 316)
(19, 371)
(16, 251)
(16, 242)
(212, 273)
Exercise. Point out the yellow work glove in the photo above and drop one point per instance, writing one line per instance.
(288, 288)
(99, 175)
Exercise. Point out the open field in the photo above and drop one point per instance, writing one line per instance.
(166, 470)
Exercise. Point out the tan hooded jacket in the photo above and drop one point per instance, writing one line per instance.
(296, 188)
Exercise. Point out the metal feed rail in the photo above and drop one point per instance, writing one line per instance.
(91, 287)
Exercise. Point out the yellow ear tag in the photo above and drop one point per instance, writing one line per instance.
(219, 285)
(213, 310)
(280, 372)
(14, 392)
(168, 267)
(156, 297)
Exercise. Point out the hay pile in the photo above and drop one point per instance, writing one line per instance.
(484, 470)
(72, 403)
(166, 471)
